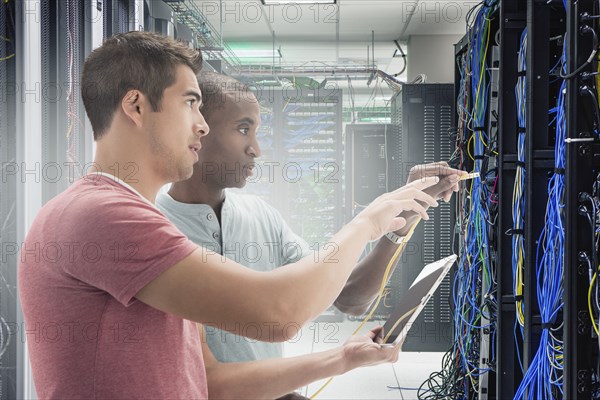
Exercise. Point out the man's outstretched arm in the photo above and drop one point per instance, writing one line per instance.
(273, 378)
(210, 289)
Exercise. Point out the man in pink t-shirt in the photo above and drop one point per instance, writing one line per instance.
(111, 290)
(100, 243)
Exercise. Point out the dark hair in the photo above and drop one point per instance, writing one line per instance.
(215, 87)
(135, 60)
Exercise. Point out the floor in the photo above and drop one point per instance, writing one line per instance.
(373, 383)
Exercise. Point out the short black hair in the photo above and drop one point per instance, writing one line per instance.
(215, 87)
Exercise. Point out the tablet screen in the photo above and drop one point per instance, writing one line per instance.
(417, 296)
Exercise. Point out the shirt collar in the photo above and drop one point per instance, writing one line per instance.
(125, 184)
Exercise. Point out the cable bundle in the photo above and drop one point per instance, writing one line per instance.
(474, 283)
(543, 379)
(518, 200)
(593, 298)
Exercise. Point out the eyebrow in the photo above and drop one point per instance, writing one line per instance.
(193, 93)
(246, 120)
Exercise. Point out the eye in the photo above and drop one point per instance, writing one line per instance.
(190, 102)
(244, 131)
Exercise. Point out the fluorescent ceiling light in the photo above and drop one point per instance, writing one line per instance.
(278, 2)
(256, 53)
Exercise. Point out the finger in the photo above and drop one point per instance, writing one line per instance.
(440, 168)
(446, 184)
(375, 333)
(397, 223)
(391, 353)
(421, 184)
(413, 205)
(455, 178)
(448, 196)
(431, 169)
(445, 171)
(424, 197)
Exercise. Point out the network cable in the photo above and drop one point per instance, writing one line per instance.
(474, 286)
(518, 198)
(544, 378)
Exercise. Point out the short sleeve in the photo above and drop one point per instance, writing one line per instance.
(293, 247)
(121, 243)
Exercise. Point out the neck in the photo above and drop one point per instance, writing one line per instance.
(135, 171)
(193, 192)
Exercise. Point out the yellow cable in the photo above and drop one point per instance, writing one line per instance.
(520, 257)
(387, 273)
(321, 388)
(487, 41)
(590, 303)
(7, 58)
(387, 336)
(468, 148)
(379, 296)
(409, 312)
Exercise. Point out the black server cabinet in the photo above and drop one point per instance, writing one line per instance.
(423, 117)
(366, 157)
(509, 345)
(582, 178)
(379, 159)
(366, 160)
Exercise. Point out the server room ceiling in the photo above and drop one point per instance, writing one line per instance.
(309, 34)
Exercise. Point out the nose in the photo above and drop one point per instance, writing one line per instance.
(254, 149)
(201, 129)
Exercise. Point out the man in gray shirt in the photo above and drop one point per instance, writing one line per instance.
(248, 230)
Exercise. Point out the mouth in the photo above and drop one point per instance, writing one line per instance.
(195, 147)
(249, 168)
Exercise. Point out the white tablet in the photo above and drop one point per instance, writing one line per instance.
(411, 304)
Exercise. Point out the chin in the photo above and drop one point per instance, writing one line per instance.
(237, 183)
(188, 174)
(183, 174)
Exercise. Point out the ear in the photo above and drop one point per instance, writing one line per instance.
(133, 105)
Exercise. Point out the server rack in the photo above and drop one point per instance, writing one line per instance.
(548, 28)
(512, 22)
(300, 169)
(366, 177)
(470, 369)
(379, 159)
(544, 21)
(366, 160)
(116, 16)
(66, 144)
(44, 135)
(422, 115)
(319, 157)
(8, 202)
(581, 380)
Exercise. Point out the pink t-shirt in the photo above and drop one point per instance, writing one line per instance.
(89, 251)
